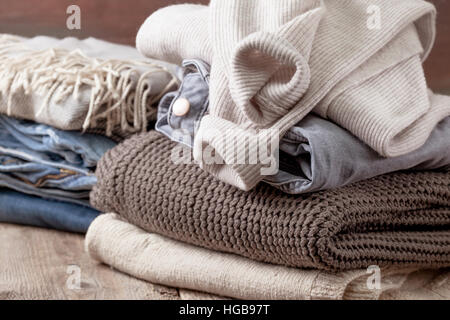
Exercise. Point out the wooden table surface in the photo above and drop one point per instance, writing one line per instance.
(39, 263)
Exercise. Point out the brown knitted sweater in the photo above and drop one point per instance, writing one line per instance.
(400, 219)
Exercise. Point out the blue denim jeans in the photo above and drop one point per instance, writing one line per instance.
(20, 208)
(315, 154)
(39, 160)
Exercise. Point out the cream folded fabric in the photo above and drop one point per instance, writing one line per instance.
(161, 260)
(76, 84)
(356, 62)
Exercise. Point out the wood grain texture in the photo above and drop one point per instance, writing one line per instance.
(38, 264)
(118, 21)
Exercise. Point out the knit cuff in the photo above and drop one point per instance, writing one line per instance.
(236, 156)
(268, 77)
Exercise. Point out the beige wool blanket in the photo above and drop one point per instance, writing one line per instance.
(158, 259)
(355, 62)
(73, 84)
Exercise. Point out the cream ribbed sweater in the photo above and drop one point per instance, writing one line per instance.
(158, 259)
(275, 61)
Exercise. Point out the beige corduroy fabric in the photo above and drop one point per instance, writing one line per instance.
(399, 219)
(158, 259)
(275, 61)
(89, 85)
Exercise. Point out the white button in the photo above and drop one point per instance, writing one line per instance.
(181, 107)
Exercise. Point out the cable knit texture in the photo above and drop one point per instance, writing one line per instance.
(273, 62)
(401, 219)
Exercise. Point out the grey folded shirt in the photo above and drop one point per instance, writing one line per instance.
(315, 154)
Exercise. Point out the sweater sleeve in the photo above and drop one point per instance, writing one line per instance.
(175, 33)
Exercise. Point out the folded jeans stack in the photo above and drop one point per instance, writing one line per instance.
(47, 171)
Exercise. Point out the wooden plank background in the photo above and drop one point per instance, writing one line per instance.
(119, 20)
(36, 263)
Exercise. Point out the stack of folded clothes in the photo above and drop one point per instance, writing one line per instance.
(302, 156)
(63, 104)
(362, 156)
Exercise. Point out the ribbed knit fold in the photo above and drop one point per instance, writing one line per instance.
(238, 156)
(255, 93)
